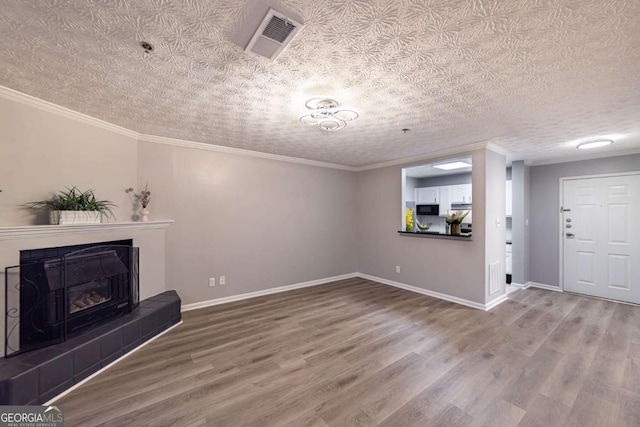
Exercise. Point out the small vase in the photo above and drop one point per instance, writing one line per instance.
(455, 229)
(144, 215)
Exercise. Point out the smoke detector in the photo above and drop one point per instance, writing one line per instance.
(273, 35)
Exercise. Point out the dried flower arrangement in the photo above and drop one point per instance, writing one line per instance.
(144, 197)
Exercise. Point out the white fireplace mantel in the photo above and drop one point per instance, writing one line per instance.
(35, 231)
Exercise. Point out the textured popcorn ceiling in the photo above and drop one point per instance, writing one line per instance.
(532, 76)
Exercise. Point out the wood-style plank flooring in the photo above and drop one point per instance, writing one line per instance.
(357, 352)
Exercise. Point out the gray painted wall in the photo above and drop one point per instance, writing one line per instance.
(495, 235)
(431, 264)
(42, 153)
(519, 228)
(545, 217)
(261, 223)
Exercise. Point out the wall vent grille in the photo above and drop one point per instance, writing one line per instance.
(278, 29)
(495, 273)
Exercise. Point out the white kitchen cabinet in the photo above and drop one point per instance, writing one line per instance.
(427, 195)
(444, 200)
(509, 199)
(508, 260)
(461, 193)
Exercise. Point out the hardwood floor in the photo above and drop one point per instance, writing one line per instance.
(358, 352)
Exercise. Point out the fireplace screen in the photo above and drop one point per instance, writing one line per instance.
(51, 298)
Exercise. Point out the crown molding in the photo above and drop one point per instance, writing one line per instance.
(497, 149)
(32, 101)
(428, 156)
(578, 158)
(241, 152)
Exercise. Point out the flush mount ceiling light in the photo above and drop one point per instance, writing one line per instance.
(452, 165)
(594, 144)
(327, 114)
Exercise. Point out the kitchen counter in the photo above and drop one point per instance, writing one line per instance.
(437, 235)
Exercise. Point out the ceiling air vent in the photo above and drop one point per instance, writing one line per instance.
(274, 34)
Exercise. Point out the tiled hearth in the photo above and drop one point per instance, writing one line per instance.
(37, 376)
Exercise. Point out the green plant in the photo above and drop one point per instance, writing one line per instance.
(75, 200)
(456, 217)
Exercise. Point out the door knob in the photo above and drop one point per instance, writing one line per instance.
(570, 235)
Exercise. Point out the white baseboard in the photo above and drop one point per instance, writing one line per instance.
(95, 374)
(519, 285)
(494, 303)
(240, 297)
(446, 297)
(438, 295)
(542, 286)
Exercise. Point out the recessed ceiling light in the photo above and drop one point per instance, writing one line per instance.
(594, 144)
(452, 165)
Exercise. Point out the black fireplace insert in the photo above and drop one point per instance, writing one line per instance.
(56, 293)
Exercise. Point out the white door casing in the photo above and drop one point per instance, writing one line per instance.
(600, 239)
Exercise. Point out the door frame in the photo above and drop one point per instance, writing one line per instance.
(560, 205)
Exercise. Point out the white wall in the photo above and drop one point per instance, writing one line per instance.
(261, 223)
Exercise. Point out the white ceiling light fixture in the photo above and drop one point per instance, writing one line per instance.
(327, 114)
(452, 165)
(594, 144)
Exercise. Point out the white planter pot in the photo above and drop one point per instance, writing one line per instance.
(74, 217)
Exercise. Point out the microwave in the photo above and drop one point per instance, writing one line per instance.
(428, 210)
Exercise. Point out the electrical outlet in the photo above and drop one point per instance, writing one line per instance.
(397, 269)
(212, 282)
(223, 280)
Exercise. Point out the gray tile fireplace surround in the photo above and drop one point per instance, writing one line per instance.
(37, 376)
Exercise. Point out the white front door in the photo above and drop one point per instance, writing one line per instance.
(601, 237)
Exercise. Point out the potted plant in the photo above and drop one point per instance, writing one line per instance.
(75, 207)
(454, 220)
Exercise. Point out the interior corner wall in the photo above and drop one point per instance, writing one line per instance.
(545, 208)
(520, 222)
(260, 223)
(43, 152)
(495, 220)
(450, 267)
